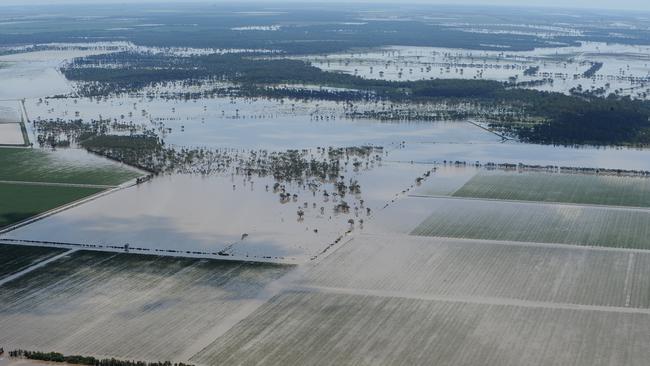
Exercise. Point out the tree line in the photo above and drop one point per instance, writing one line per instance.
(85, 360)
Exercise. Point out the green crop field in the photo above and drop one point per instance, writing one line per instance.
(61, 166)
(14, 258)
(18, 202)
(552, 187)
(533, 222)
(130, 306)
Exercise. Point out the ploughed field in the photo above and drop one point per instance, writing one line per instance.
(125, 305)
(14, 258)
(456, 268)
(441, 279)
(504, 292)
(344, 328)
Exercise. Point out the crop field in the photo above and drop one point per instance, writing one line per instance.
(127, 306)
(549, 187)
(453, 268)
(61, 166)
(14, 258)
(18, 201)
(540, 223)
(306, 328)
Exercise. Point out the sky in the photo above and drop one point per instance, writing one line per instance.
(640, 5)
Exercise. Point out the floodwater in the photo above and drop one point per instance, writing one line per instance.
(229, 214)
(624, 71)
(254, 123)
(515, 152)
(10, 111)
(232, 217)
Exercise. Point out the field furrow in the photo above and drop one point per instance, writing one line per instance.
(14, 258)
(125, 306)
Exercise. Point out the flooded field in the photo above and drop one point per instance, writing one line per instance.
(224, 216)
(253, 123)
(318, 218)
(532, 154)
(622, 70)
(10, 111)
(36, 74)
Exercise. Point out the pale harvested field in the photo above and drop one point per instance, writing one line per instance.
(462, 268)
(311, 328)
(126, 306)
(533, 222)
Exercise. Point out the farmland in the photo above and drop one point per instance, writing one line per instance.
(21, 201)
(532, 222)
(15, 258)
(61, 166)
(33, 181)
(461, 268)
(334, 329)
(125, 305)
(313, 184)
(554, 187)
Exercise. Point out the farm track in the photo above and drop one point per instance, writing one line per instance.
(549, 203)
(519, 243)
(468, 299)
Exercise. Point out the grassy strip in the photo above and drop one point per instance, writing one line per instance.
(85, 360)
(19, 202)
